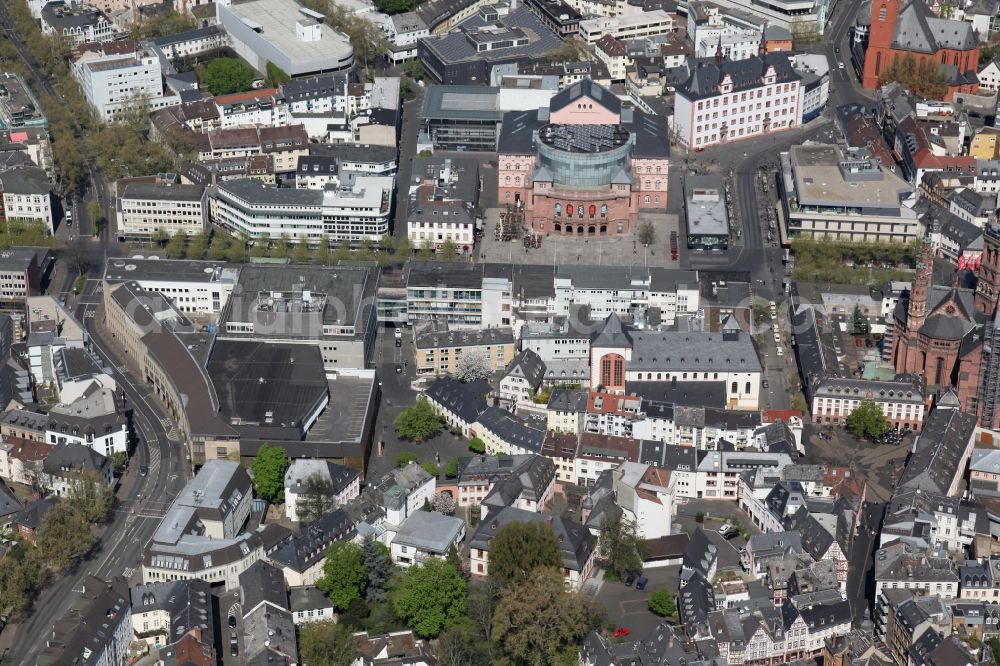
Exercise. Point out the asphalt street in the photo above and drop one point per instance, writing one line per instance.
(98, 182)
(141, 500)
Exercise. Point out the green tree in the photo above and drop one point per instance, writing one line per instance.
(571, 50)
(342, 252)
(646, 233)
(344, 574)
(620, 545)
(922, 77)
(20, 577)
(403, 251)
(301, 253)
(91, 496)
(269, 473)
(662, 603)
(368, 40)
(866, 421)
(280, 249)
(223, 76)
(163, 24)
(451, 469)
(430, 597)
(448, 250)
(426, 251)
(378, 567)
(860, 322)
(393, 6)
(462, 644)
(431, 469)
(519, 548)
(315, 500)
(177, 245)
(63, 536)
(477, 445)
(414, 69)
(198, 247)
(405, 458)
(537, 622)
(326, 643)
(160, 236)
(276, 76)
(219, 248)
(453, 558)
(418, 422)
(323, 252)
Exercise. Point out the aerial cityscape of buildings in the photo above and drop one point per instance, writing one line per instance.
(455, 332)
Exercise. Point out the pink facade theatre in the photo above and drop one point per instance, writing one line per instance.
(584, 166)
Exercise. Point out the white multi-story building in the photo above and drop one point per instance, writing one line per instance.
(630, 26)
(191, 42)
(827, 194)
(736, 43)
(27, 196)
(815, 72)
(359, 213)
(193, 287)
(344, 483)
(737, 99)
(405, 30)
(113, 82)
(145, 208)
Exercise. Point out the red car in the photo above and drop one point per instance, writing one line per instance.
(621, 632)
(858, 342)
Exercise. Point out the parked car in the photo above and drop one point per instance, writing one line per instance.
(399, 369)
(399, 332)
(764, 382)
(727, 529)
(143, 470)
(641, 583)
(629, 579)
(232, 621)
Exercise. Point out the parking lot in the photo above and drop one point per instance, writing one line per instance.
(629, 607)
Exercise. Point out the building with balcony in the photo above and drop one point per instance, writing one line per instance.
(351, 214)
(829, 194)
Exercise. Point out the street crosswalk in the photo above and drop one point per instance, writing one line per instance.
(127, 572)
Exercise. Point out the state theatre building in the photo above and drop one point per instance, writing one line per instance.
(584, 166)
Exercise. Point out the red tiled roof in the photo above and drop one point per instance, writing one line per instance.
(27, 450)
(246, 96)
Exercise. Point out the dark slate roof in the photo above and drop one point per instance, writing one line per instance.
(529, 366)
(9, 504)
(529, 480)
(917, 29)
(696, 598)
(746, 74)
(668, 456)
(816, 540)
(586, 88)
(612, 334)
(262, 582)
(77, 458)
(938, 451)
(566, 400)
(309, 546)
(700, 553)
(467, 401)
(681, 393)
(31, 515)
(576, 543)
(512, 430)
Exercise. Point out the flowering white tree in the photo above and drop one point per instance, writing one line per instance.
(444, 503)
(472, 366)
